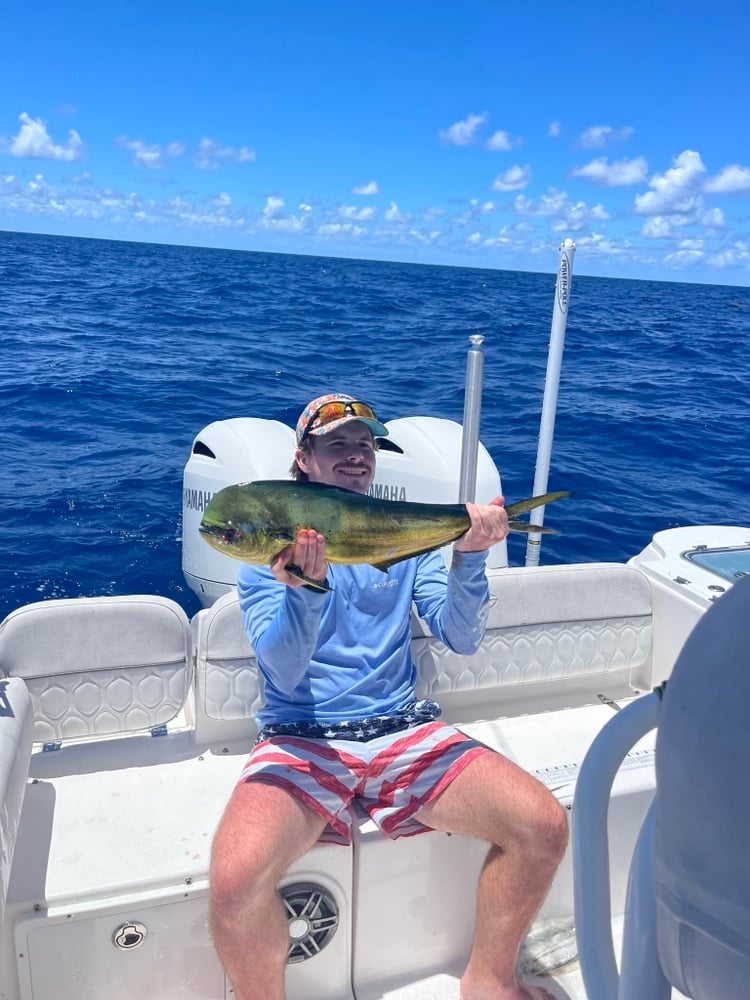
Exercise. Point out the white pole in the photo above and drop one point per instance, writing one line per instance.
(467, 485)
(551, 385)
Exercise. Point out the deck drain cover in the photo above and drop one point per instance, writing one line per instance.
(313, 918)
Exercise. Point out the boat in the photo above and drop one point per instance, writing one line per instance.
(124, 726)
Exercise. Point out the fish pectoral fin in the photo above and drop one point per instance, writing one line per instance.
(297, 573)
(385, 566)
(515, 525)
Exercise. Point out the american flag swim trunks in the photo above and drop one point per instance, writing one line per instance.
(391, 777)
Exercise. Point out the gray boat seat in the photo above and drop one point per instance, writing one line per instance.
(702, 820)
(687, 915)
(98, 666)
(15, 754)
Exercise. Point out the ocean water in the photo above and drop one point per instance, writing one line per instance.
(114, 355)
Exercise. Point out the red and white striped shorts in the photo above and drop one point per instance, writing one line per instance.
(390, 777)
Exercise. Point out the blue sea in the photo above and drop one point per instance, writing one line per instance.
(114, 355)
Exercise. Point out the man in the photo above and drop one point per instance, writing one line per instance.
(339, 694)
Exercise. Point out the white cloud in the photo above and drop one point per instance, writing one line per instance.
(508, 235)
(393, 214)
(33, 142)
(370, 188)
(501, 141)
(358, 214)
(275, 218)
(599, 135)
(713, 218)
(463, 133)
(734, 255)
(658, 227)
(599, 245)
(729, 180)
(686, 255)
(151, 155)
(341, 229)
(616, 174)
(433, 236)
(677, 191)
(210, 152)
(513, 179)
(38, 185)
(554, 130)
(274, 207)
(560, 210)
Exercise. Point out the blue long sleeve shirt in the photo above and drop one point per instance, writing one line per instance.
(346, 654)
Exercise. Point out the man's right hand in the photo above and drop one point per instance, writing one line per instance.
(308, 554)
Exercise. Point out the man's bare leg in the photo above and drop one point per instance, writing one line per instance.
(263, 830)
(497, 801)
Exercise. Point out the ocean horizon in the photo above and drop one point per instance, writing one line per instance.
(117, 354)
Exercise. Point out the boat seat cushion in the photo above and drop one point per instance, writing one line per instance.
(16, 722)
(228, 684)
(546, 624)
(96, 666)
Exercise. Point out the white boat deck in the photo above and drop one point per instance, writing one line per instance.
(131, 839)
(116, 824)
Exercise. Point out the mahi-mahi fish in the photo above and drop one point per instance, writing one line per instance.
(255, 521)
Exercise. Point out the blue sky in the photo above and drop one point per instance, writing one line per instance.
(468, 133)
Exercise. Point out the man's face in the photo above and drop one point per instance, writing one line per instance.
(343, 457)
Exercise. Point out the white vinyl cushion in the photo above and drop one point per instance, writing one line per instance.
(547, 623)
(99, 665)
(16, 722)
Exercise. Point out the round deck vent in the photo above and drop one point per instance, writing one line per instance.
(313, 918)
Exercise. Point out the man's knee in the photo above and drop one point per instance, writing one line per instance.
(556, 828)
(263, 830)
(238, 874)
(547, 828)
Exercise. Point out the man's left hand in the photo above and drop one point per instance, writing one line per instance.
(489, 525)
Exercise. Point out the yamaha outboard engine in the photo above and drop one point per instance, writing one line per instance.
(420, 461)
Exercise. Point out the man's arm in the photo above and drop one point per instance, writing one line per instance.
(282, 623)
(455, 605)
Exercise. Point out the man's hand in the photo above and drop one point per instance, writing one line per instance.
(489, 525)
(308, 554)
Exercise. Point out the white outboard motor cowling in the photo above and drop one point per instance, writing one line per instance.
(420, 462)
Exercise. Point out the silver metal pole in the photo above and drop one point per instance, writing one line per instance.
(551, 386)
(467, 487)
